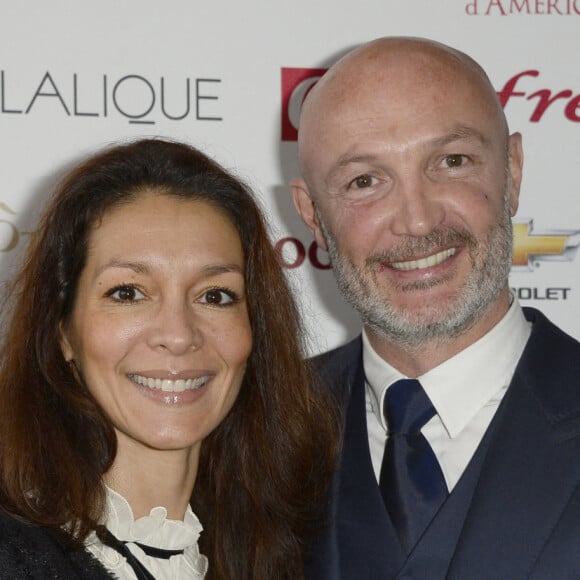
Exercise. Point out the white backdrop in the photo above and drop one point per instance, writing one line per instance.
(228, 77)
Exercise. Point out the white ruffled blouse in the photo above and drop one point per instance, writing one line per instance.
(152, 530)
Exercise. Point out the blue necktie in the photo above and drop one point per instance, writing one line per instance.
(412, 483)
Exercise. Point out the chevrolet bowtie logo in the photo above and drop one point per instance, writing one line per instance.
(548, 245)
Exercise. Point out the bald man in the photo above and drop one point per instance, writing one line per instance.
(409, 180)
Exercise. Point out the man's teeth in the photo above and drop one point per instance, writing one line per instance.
(424, 262)
(169, 385)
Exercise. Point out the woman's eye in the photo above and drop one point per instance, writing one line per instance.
(219, 297)
(126, 293)
(362, 181)
(455, 160)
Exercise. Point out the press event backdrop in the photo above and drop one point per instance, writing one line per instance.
(229, 77)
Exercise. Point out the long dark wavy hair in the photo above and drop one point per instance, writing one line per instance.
(263, 471)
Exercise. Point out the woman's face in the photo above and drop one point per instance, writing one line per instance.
(160, 332)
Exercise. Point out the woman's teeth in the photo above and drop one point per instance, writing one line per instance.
(168, 385)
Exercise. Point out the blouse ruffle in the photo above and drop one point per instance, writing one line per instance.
(153, 530)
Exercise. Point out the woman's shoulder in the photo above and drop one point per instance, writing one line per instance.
(30, 551)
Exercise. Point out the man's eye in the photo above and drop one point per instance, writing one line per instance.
(362, 181)
(455, 160)
(125, 293)
(219, 297)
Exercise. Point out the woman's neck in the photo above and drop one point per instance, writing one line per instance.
(148, 478)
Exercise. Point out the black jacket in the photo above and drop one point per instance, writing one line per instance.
(31, 552)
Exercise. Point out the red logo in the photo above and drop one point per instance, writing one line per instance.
(543, 98)
(292, 253)
(296, 82)
(528, 7)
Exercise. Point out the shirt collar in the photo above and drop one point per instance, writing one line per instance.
(462, 385)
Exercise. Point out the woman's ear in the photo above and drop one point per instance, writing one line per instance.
(65, 345)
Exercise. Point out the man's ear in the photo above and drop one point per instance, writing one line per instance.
(307, 210)
(515, 168)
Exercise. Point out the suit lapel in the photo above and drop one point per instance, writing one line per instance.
(368, 544)
(532, 466)
(360, 541)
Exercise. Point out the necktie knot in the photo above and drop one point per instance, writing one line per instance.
(407, 407)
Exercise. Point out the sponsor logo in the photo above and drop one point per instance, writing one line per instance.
(138, 99)
(527, 7)
(531, 247)
(293, 253)
(545, 98)
(296, 82)
(533, 293)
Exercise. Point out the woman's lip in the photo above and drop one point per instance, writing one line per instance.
(172, 375)
(175, 384)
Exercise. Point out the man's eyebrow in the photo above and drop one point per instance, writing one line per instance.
(462, 133)
(350, 158)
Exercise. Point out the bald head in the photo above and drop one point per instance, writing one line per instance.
(404, 75)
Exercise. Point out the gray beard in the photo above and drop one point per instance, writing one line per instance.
(491, 261)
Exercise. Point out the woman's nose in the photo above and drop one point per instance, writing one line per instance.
(176, 328)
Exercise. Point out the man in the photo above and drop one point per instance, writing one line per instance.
(410, 179)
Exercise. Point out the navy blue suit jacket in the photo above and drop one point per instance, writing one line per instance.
(524, 517)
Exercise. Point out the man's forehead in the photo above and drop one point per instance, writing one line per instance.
(390, 72)
(395, 107)
(396, 86)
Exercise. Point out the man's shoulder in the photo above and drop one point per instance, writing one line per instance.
(340, 367)
(548, 334)
(341, 356)
(550, 367)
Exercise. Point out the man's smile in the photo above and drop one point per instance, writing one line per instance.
(427, 262)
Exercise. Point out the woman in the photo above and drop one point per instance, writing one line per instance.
(153, 345)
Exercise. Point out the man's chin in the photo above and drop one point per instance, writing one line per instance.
(422, 305)
(416, 326)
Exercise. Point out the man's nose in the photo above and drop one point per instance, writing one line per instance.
(419, 208)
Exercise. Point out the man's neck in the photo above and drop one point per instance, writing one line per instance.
(416, 360)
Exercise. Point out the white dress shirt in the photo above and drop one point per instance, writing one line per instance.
(465, 390)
